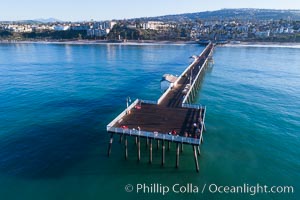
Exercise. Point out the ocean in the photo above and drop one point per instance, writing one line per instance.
(56, 100)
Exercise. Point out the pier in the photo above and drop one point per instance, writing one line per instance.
(171, 119)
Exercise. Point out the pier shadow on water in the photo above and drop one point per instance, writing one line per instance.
(49, 150)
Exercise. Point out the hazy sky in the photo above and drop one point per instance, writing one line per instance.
(74, 10)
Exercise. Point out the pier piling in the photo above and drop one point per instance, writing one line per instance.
(150, 151)
(121, 138)
(126, 147)
(196, 158)
(139, 148)
(147, 142)
(177, 155)
(163, 153)
(110, 144)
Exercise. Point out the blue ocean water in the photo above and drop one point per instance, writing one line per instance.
(56, 100)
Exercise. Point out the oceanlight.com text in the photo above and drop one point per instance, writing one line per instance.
(190, 188)
(250, 189)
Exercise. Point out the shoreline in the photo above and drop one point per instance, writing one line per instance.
(263, 44)
(152, 42)
(99, 42)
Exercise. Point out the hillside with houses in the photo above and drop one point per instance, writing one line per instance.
(222, 25)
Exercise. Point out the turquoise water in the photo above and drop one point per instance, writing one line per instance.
(55, 101)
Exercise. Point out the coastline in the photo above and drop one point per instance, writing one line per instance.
(150, 42)
(264, 44)
(99, 42)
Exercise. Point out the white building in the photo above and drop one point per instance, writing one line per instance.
(263, 34)
(41, 27)
(111, 24)
(155, 25)
(61, 27)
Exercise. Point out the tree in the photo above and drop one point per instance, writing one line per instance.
(5, 34)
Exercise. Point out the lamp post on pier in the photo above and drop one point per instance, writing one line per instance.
(128, 100)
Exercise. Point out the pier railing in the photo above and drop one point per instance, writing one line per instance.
(122, 114)
(202, 123)
(194, 82)
(175, 83)
(164, 95)
(183, 73)
(149, 102)
(154, 135)
(197, 77)
(208, 46)
(195, 106)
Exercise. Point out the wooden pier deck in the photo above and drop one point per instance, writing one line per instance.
(172, 118)
(162, 119)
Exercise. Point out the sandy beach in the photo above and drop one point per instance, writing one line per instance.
(153, 42)
(264, 44)
(81, 42)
